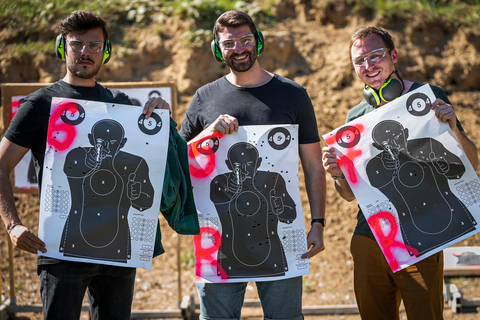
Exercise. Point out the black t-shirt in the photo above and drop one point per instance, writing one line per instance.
(280, 101)
(29, 126)
(363, 108)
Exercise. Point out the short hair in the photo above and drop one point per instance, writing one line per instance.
(362, 33)
(233, 19)
(82, 21)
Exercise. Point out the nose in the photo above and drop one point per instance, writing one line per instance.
(368, 64)
(85, 50)
(238, 47)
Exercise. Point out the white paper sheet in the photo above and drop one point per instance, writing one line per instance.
(413, 182)
(102, 182)
(247, 195)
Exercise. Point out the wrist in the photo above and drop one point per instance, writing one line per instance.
(322, 221)
(342, 177)
(13, 225)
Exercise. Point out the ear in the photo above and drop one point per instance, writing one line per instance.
(122, 144)
(90, 138)
(394, 55)
(259, 161)
(376, 145)
(406, 134)
(229, 165)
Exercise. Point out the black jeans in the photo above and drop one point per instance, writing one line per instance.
(62, 288)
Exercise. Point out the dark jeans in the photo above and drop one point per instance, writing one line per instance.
(63, 285)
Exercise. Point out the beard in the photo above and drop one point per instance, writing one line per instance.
(242, 66)
(83, 72)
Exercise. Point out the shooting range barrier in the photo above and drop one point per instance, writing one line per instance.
(460, 262)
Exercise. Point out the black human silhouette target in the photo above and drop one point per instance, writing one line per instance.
(250, 203)
(413, 175)
(105, 183)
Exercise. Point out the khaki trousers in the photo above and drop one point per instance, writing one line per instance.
(379, 291)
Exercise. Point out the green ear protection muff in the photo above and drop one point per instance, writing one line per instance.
(390, 90)
(60, 49)
(215, 46)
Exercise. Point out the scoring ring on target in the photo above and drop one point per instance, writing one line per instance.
(208, 146)
(279, 138)
(418, 104)
(150, 126)
(348, 136)
(72, 113)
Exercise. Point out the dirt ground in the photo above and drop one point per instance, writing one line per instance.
(311, 49)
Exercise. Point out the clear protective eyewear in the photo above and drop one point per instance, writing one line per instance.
(372, 56)
(93, 47)
(245, 41)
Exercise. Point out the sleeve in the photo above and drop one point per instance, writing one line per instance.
(25, 128)
(308, 128)
(120, 97)
(191, 126)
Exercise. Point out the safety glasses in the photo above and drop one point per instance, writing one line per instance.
(78, 46)
(372, 56)
(245, 41)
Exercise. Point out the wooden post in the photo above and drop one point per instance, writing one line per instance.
(179, 272)
(13, 298)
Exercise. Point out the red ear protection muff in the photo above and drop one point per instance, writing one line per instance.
(390, 90)
(215, 46)
(60, 49)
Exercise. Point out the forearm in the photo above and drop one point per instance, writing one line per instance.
(315, 185)
(7, 203)
(468, 147)
(344, 190)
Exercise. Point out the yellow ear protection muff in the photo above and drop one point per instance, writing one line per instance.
(390, 90)
(215, 46)
(60, 49)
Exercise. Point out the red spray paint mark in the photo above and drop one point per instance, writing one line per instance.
(346, 138)
(201, 157)
(346, 163)
(207, 256)
(61, 135)
(15, 104)
(331, 140)
(387, 241)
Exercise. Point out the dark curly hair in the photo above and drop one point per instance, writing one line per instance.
(82, 21)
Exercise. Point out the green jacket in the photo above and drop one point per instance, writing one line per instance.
(177, 205)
